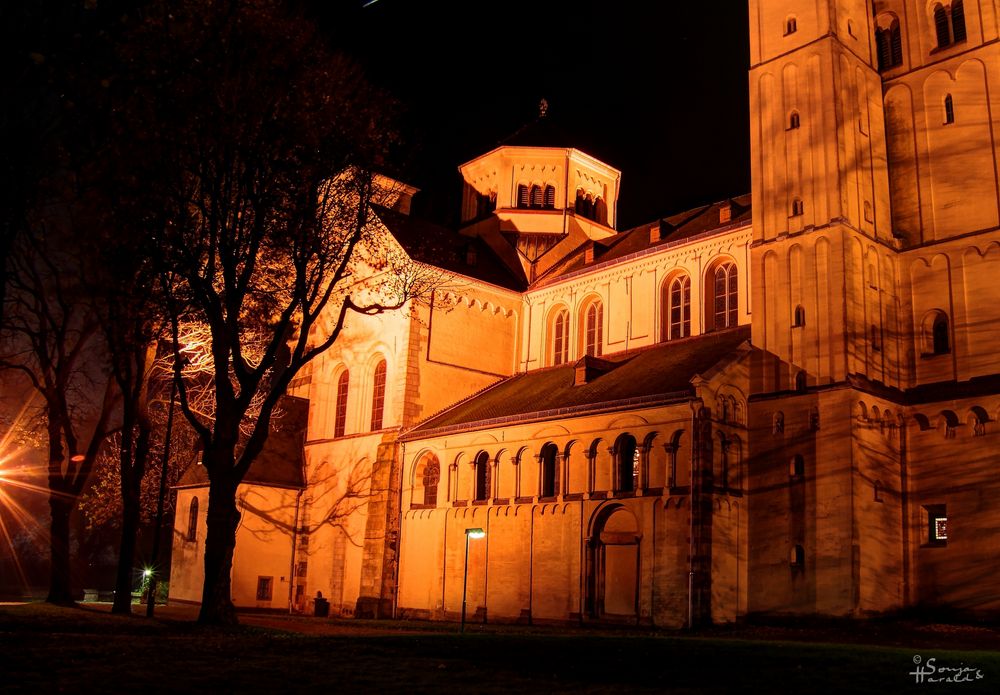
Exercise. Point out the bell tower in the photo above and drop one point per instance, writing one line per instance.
(824, 258)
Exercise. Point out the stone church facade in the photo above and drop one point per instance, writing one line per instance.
(781, 403)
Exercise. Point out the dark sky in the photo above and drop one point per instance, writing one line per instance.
(656, 89)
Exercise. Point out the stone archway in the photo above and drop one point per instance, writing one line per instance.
(613, 567)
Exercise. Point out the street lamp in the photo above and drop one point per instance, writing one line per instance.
(469, 533)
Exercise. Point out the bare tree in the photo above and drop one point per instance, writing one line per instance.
(262, 145)
(51, 337)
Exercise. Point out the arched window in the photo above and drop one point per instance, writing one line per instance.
(797, 557)
(936, 335)
(889, 44)
(793, 120)
(378, 396)
(550, 197)
(798, 207)
(675, 301)
(627, 464)
(800, 381)
(600, 211)
(799, 317)
(941, 26)
(725, 296)
(537, 196)
(340, 417)
(895, 44)
(550, 472)
(482, 475)
(523, 196)
(192, 529)
(957, 21)
(431, 476)
(560, 337)
(949, 109)
(791, 26)
(594, 336)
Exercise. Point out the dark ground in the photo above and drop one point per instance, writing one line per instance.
(84, 649)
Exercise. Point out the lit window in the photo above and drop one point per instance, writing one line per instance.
(378, 396)
(676, 302)
(340, 420)
(797, 558)
(560, 337)
(937, 524)
(594, 321)
(725, 304)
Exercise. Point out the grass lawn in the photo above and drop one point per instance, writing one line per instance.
(48, 649)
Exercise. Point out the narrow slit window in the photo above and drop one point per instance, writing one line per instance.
(340, 421)
(949, 109)
(378, 396)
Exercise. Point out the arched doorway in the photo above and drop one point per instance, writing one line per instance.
(613, 566)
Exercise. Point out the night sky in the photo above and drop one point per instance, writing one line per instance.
(658, 90)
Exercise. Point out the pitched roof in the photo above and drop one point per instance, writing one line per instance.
(685, 226)
(282, 461)
(447, 249)
(657, 374)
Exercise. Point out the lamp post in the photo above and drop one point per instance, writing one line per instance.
(469, 533)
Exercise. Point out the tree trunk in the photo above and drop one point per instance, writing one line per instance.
(60, 590)
(126, 555)
(223, 518)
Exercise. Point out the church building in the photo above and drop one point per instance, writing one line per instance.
(784, 403)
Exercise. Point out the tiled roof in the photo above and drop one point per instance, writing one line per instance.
(282, 461)
(659, 373)
(684, 226)
(447, 249)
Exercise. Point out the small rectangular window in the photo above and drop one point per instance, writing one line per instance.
(264, 587)
(937, 524)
